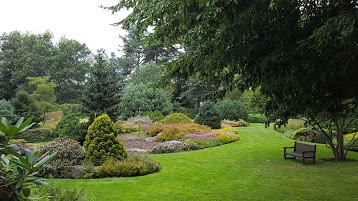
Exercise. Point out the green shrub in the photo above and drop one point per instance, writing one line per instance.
(208, 115)
(69, 155)
(232, 110)
(141, 98)
(308, 135)
(176, 118)
(177, 131)
(7, 110)
(134, 165)
(154, 115)
(77, 109)
(101, 142)
(17, 141)
(353, 145)
(37, 135)
(56, 193)
(257, 118)
(70, 126)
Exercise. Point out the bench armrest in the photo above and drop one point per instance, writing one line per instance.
(288, 148)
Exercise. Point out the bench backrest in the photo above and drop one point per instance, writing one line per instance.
(299, 147)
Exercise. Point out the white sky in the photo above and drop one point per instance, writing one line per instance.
(81, 20)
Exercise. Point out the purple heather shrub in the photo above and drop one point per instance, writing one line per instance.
(139, 120)
(200, 136)
(21, 149)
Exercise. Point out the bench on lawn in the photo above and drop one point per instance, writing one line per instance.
(301, 150)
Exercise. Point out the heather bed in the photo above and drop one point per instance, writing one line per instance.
(249, 169)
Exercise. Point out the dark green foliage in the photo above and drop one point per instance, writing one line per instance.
(208, 115)
(70, 68)
(257, 118)
(308, 135)
(101, 142)
(73, 109)
(134, 165)
(25, 106)
(69, 155)
(141, 98)
(37, 135)
(155, 115)
(175, 118)
(70, 127)
(7, 110)
(101, 94)
(232, 110)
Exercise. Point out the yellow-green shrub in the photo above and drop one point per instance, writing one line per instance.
(175, 118)
(135, 165)
(226, 135)
(101, 142)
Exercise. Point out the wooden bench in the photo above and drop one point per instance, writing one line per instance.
(301, 150)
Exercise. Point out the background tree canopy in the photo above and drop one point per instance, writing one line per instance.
(301, 53)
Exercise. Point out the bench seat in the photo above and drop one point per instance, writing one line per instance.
(301, 150)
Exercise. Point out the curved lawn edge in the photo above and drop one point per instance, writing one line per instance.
(252, 168)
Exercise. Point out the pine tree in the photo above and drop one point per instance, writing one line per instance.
(102, 89)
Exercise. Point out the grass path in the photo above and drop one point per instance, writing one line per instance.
(251, 169)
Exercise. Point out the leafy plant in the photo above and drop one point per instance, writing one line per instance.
(17, 170)
(101, 142)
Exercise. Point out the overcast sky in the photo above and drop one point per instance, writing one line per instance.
(81, 20)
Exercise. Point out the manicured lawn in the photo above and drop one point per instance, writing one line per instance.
(252, 168)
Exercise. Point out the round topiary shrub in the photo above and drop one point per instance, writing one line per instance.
(232, 110)
(101, 142)
(208, 115)
(176, 118)
(69, 155)
(70, 126)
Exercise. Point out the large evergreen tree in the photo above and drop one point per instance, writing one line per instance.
(102, 88)
(301, 53)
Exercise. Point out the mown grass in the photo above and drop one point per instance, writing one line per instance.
(252, 168)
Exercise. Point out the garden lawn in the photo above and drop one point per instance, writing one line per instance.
(252, 168)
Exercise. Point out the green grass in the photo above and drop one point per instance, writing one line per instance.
(252, 168)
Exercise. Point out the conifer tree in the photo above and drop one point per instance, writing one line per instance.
(102, 89)
(101, 142)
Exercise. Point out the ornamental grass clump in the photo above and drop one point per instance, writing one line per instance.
(101, 142)
(134, 165)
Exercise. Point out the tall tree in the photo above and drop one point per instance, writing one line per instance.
(21, 56)
(102, 89)
(26, 107)
(44, 95)
(71, 65)
(301, 53)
